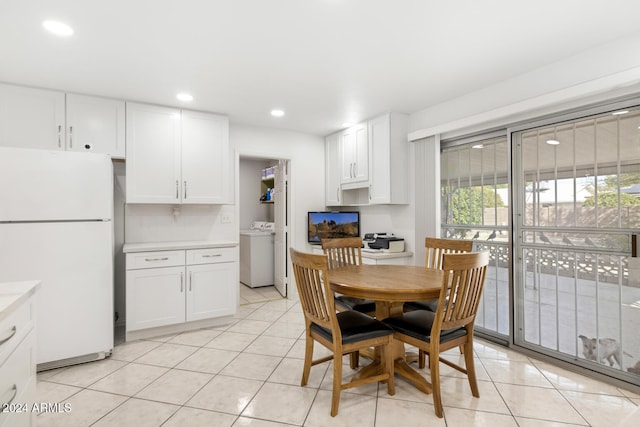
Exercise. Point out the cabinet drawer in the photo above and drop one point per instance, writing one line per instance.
(139, 260)
(14, 327)
(17, 378)
(211, 255)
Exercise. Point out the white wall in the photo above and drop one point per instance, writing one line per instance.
(610, 70)
(397, 219)
(306, 153)
(306, 175)
(606, 73)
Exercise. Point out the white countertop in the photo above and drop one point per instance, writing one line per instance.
(13, 293)
(169, 246)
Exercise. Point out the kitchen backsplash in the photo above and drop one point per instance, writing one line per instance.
(167, 223)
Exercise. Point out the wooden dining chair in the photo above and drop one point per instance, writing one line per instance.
(436, 248)
(452, 323)
(342, 333)
(342, 252)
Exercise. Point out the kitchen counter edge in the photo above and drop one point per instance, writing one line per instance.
(168, 246)
(12, 294)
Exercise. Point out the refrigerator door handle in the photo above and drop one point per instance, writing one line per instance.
(11, 334)
(177, 189)
(181, 282)
(190, 280)
(185, 190)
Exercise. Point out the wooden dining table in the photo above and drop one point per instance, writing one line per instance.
(390, 286)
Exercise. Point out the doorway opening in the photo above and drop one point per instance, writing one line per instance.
(263, 193)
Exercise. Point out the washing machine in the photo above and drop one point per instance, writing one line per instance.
(256, 255)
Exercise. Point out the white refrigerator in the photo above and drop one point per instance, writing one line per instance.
(56, 212)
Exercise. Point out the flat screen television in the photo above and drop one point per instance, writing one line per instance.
(332, 225)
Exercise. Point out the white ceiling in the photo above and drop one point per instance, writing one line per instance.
(322, 61)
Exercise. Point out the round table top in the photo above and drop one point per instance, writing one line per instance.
(383, 282)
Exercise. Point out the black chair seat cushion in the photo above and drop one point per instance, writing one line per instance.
(417, 324)
(358, 304)
(355, 326)
(429, 305)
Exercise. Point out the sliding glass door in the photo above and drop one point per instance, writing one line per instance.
(577, 205)
(475, 198)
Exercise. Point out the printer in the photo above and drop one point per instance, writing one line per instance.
(388, 244)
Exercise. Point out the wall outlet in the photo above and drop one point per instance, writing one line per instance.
(225, 218)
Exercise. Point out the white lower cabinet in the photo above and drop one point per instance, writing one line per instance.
(18, 365)
(173, 288)
(155, 297)
(206, 297)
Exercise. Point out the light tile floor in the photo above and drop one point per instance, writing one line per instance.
(248, 374)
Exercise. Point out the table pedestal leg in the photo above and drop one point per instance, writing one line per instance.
(401, 366)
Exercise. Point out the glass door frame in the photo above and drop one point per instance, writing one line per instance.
(505, 339)
(518, 197)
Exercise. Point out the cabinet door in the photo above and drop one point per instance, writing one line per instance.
(211, 290)
(332, 170)
(205, 142)
(153, 154)
(31, 118)
(361, 143)
(96, 125)
(155, 297)
(355, 156)
(347, 151)
(380, 180)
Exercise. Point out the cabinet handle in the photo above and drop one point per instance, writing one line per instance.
(338, 193)
(185, 190)
(70, 136)
(369, 191)
(13, 396)
(177, 188)
(355, 170)
(351, 170)
(190, 281)
(59, 131)
(157, 259)
(211, 255)
(11, 334)
(181, 282)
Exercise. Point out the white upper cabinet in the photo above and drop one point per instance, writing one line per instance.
(176, 156)
(31, 118)
(332, 170)
(37, 118)
(153, 154)
(373, 163)
(205, 162)
(355, 157)
(388, 159)
(96, 125)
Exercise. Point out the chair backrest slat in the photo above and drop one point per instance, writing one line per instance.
(463, 281)
(342, 252)
(436, 248)
(315, 294)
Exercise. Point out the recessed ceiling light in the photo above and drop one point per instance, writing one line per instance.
(553, 142)
(617, 113)
(347, 124)
(477, 146)
(183, 96)
(277, 113)
(58, 28)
